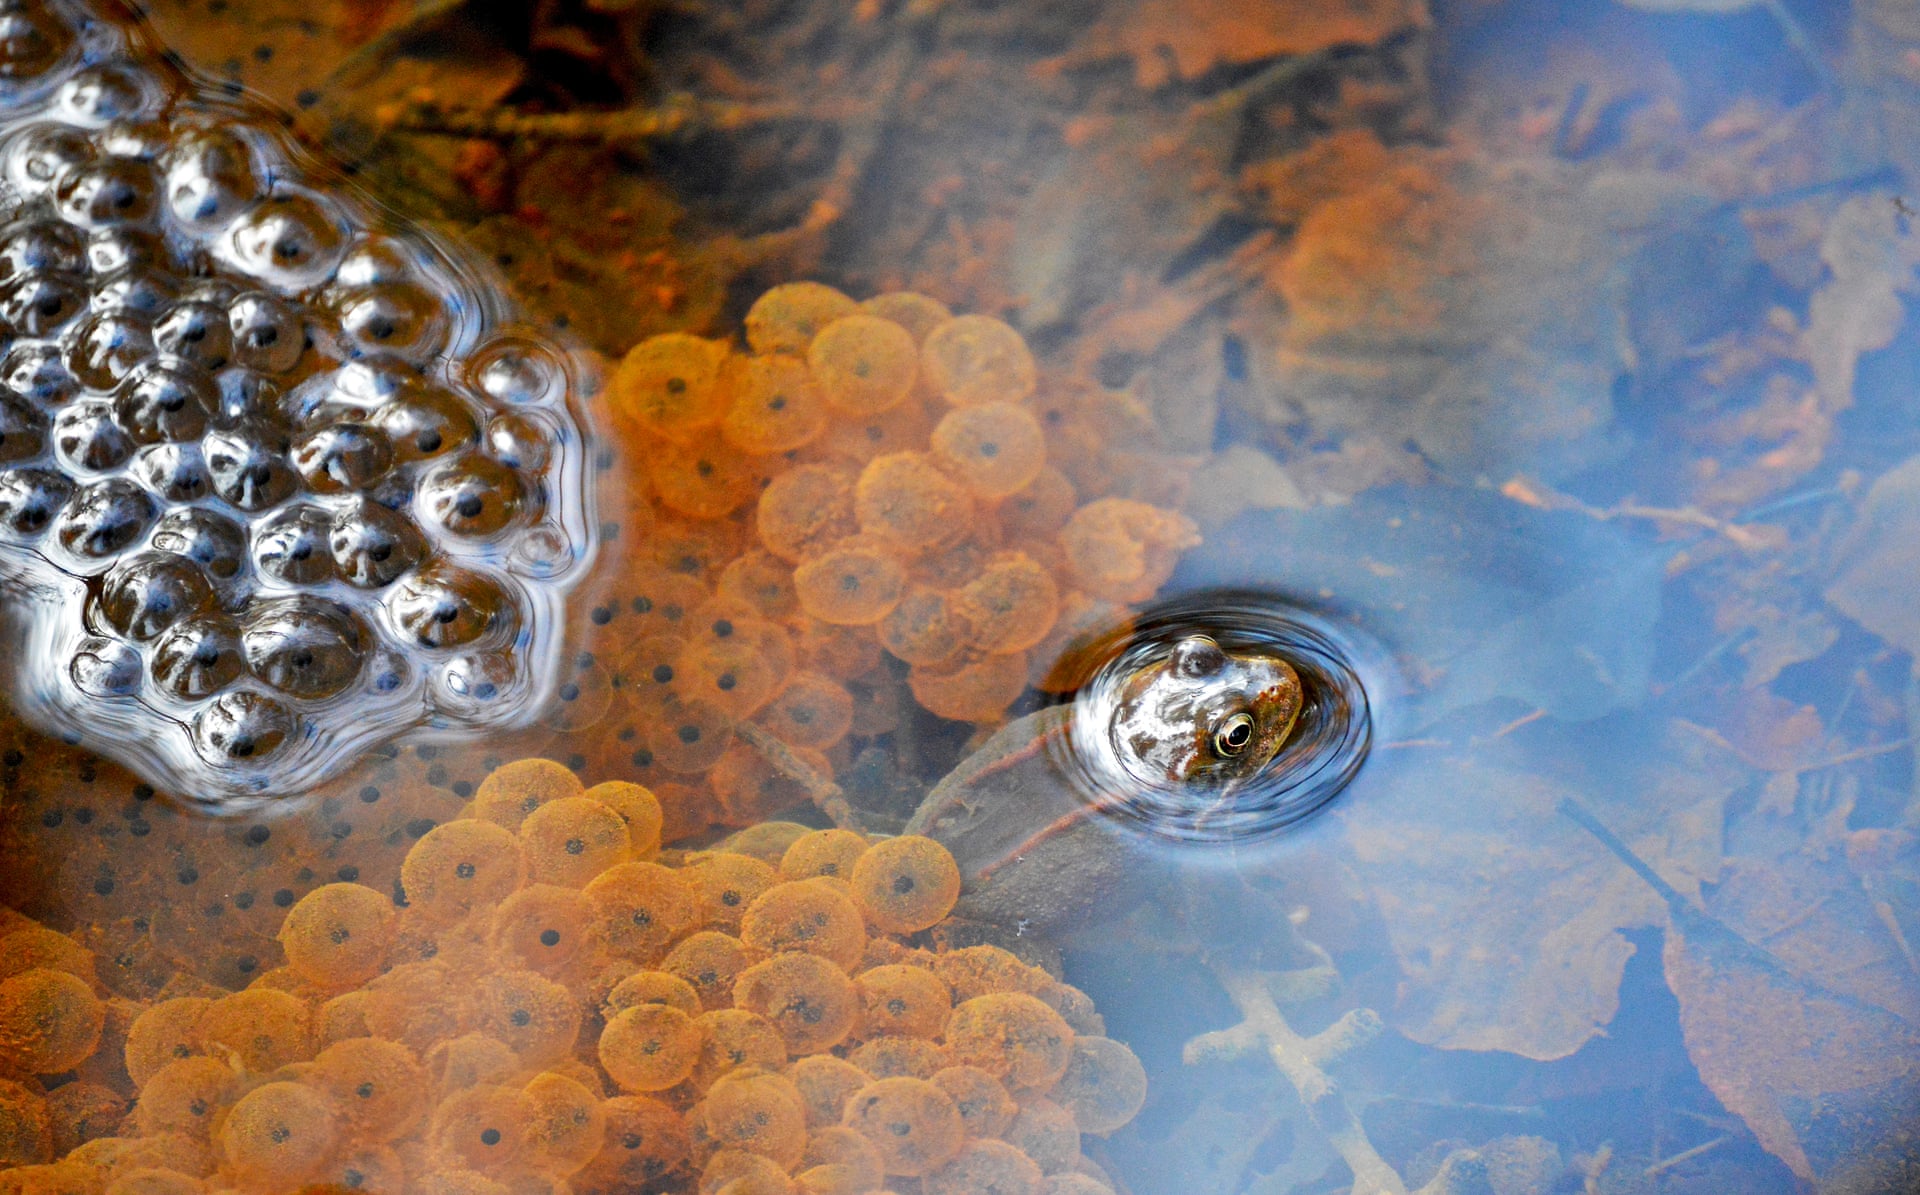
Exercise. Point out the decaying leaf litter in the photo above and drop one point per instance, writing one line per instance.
(1574, 375)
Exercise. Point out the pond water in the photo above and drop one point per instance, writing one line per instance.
(519, 524)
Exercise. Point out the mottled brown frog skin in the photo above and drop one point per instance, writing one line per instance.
(1033, 852)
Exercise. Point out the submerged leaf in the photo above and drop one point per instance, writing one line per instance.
(1824, 1012)
(1875, 581)
(1505, 919)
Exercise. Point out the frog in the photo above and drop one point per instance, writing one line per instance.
(1037, 850)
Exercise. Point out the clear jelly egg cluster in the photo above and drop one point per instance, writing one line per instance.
(554, 1004)
(277, 478)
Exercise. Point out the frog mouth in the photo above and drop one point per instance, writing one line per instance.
(1322, 753)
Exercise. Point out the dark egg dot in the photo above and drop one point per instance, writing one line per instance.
(549, 937)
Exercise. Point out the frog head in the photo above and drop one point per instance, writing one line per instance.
(1203, 715)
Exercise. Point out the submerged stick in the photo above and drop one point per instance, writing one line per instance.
(826, 796)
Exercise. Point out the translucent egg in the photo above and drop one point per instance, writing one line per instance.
(1104, 1085)
(1010, 606)
(291, 242)
(103, 519)
(738, 1172)
(669, 385)
(853, 584)
(758, 1113)
(760, 581)
(786, 318)
(995, 448)
(804, 510)
(569, 1126)
(338, 935)
(164, 1033)
(975, 359)
(259, 1030)
(687, 737)
(107, 346)
(704, 478)
(642, 908)
(650, 1047)
(638, 808)
(644, 1141)
(1013, 1037)
(974, 688)
(736, 1039)
(50, 1021)
(925, 628)
(571, 840)
(906, 884)
(442, 606)
(278, 1135)
(910, 1123)
(240, 727)
(489, 1128)
(904, 1001)
(709, 961)
(460, 866)
(983, 1102)
(1123, 550)
(512, 791)
(775, 405)
(86, 436)
(186, 1096)
(857, 1162)
(29, 500)
(342, 457)
(1046, 1133)
(535, 1017)
(737, 674)
(917, 313)
(209, 178)
(904, 500)
(146, 594)
(304, 647)
(542, 928)
(727, 884)
(196, 331)
(469, 1061)
(808, 916)
(825, 1083)
(378, 1086)
(471, 496)
(890, 1057)
(217, 544)
(864, 364)
(809, 999)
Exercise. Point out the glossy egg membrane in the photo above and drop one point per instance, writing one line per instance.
(280, 478)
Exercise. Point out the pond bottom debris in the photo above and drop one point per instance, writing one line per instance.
(554, 1003)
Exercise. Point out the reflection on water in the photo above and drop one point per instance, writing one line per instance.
(1559, 351)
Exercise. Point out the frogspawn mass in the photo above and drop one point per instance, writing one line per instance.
(278, 478)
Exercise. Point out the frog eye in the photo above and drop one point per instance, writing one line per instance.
(1234, 734)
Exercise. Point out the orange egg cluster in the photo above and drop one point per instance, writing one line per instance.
(554, 1004)
(872, 474)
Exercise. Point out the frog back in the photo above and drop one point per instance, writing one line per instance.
(1031, 848)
